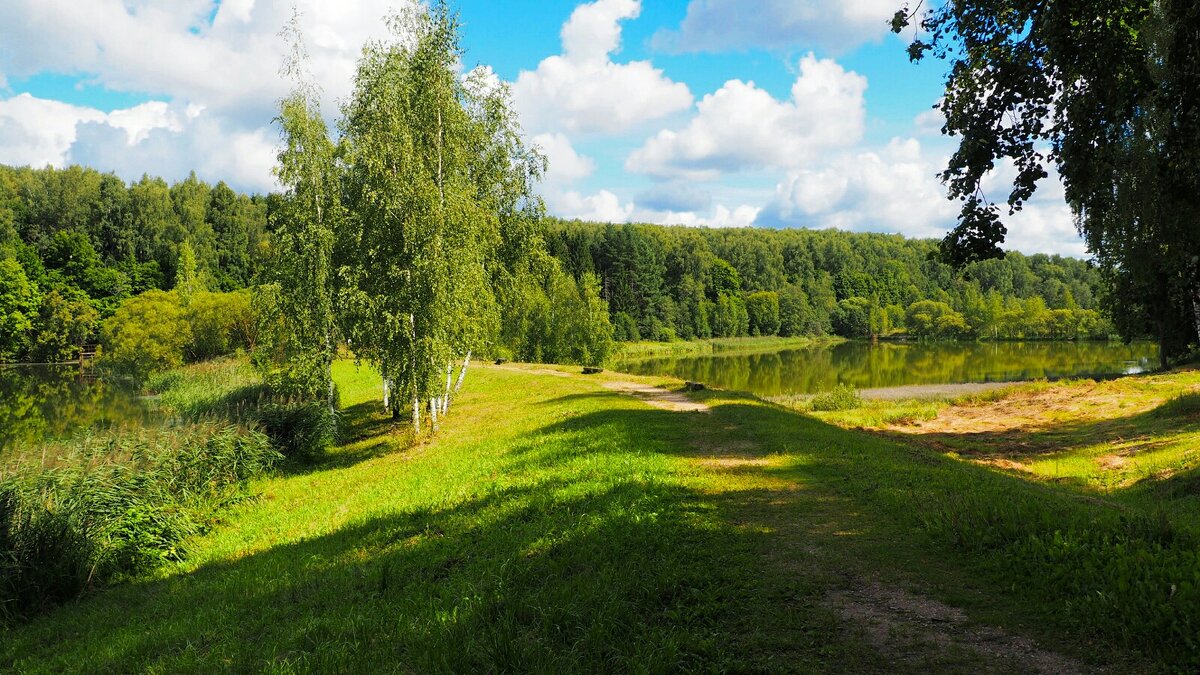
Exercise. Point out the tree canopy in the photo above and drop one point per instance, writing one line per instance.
(1108, 94)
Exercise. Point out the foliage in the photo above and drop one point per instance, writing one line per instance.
(148, 333)
(664, 281)
(85, 237)
(1106, 93)
(437, 189)
(154, 332)
(19, 301)
(841, 397)
(299, 304)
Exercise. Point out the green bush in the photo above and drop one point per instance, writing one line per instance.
(841, 397)
(147, 334)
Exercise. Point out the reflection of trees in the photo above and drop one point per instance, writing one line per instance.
(865, 365)
(55, 402)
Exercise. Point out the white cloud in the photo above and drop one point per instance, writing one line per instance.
(893, 189)
(719, 25)
(565, 164)
(718, 216)
(170, 51)
(603, 206)
(896, 189)
(37, 132)
(582, 90)
(743, 127)
(153, 137)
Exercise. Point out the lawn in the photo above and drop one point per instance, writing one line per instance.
(558, 524)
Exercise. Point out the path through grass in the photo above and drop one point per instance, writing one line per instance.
(556, 525)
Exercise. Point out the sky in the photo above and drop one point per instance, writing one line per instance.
(720, 113)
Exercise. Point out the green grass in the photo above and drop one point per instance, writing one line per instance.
(555, 525)
(654, 350)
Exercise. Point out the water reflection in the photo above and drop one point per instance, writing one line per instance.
(867, 365)
(40, 403)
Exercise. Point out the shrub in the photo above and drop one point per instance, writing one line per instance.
(841, 397)
(147, 334)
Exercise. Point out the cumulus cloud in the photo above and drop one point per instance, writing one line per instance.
(211, 68)
(565, 164)
(583, 90)
(719, 216)
(743, 127)
(37, 132)
(153, 137)
(720, 25)
(172, 52)
(895, 189)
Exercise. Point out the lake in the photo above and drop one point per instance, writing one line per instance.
(866, 365)
(39, 403)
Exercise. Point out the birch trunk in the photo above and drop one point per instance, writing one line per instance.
(386, 391)
(462, 373)
(446, 397)
(417, 416)
(433, 413)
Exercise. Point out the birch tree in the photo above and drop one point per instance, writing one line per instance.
(302, 246)
(437, 187)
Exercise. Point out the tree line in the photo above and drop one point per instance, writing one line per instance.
(76, 243)
(666, 283)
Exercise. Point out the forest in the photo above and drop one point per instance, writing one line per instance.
(79, 247)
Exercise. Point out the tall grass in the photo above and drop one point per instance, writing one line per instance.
(230, 389)
(102, 508)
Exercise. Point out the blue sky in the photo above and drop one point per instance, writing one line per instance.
(772, 113)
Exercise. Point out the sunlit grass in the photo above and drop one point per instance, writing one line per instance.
(555, 525)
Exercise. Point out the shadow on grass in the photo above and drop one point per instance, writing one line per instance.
(539, 578)
(594, 567)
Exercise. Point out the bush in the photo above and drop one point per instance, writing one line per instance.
(841, 397)
(147, 334)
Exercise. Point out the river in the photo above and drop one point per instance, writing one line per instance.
(866, 365)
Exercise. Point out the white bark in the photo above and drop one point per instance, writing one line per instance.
(446, 397)
(417, 415)
(433, 413)
(386, 391)
(462, 373)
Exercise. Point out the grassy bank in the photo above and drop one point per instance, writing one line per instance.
(113, 505)
(558, 524)
(655, 350)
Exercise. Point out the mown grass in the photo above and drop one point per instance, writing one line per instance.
(555, 525)
(653, 350)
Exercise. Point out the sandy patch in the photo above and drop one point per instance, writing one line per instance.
(658, 397)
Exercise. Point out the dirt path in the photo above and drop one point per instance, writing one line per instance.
(906, 627)
(932, 390)
(658, 397)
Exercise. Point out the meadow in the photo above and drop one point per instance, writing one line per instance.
(559, 523)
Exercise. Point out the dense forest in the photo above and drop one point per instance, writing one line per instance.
(664, 283)
(75, 244)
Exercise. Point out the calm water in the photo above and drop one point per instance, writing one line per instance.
(52, 402)
(865, 365)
